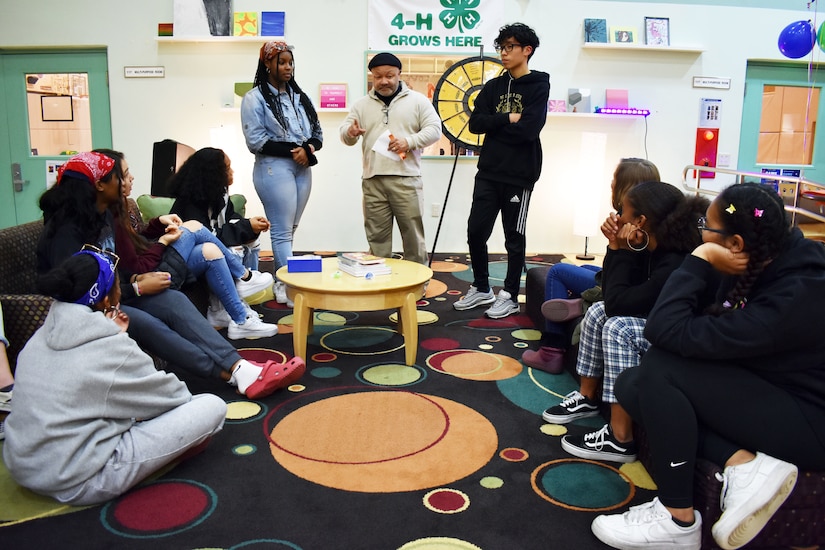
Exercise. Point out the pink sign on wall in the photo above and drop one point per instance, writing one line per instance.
(333, 96)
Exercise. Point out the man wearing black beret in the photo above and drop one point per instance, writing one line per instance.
(396, 124)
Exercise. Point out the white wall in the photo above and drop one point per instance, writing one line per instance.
(330, 40)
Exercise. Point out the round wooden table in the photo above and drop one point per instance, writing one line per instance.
(334, 290)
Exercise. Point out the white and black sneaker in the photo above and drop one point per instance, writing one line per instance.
(573, 407)
(503, 306)
(599, 445)
(474, 298)
(256, 282)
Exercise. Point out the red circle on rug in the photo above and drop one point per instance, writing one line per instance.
(447, 501)
(439, 344)
(161, 507)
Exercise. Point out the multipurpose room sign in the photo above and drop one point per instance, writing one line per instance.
(434, 25)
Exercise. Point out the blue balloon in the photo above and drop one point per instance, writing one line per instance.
(797, 39)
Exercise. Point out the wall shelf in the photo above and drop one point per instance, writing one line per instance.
(616, 46)
(214, 39)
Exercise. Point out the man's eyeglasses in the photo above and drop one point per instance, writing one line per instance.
(507, 47)
(701, 224)
(114, 258)
(386, 111)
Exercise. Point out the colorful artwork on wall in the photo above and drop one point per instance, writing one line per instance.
(245, 23)
(272, 23)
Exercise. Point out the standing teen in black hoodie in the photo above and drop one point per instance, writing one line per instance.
(511, 111)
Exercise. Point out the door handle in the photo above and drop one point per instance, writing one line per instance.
(17, 180)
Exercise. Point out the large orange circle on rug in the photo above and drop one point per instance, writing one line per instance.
(383, 441)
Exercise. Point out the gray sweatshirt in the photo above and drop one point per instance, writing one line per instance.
(80, 384)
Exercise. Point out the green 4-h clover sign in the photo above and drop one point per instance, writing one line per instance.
(460, 12)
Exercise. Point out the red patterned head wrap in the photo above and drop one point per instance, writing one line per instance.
(92, 166)
(272, 48)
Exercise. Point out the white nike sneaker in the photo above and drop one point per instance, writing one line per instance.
(649, 526)
(257, 282)
(751, 495)
(252, 328)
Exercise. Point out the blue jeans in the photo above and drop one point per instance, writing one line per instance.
(283, 187)
(169, 326)
(220, 272)
(566, 281)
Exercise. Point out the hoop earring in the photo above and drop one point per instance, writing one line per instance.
(647, 241)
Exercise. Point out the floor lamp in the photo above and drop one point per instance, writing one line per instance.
(588, 189)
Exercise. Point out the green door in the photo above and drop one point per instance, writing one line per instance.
(51, 103)
(783, 102)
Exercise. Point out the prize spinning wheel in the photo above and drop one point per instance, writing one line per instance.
(454, 99)
(455, 95)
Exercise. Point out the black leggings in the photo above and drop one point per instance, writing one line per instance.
(697, 408)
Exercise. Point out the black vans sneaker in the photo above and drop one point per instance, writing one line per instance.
(599, 445)
(573, 407)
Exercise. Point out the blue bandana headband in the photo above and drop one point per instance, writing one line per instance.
(105, 279)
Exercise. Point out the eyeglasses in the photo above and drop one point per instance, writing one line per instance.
(114, 258)
(386, 111)
(507, 47)
(702, 225)
(112, 312)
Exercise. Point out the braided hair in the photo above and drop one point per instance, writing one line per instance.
(756, 213)
(671, 215)
(261, 82)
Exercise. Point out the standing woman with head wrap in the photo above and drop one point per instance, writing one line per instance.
(281, 128)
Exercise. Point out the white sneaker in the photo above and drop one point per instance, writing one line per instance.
(5, 400)
(279, 289)
(252, 328)
(751, 494)
(257, 282)
(649, 526)
(474, 298)
(504, 305)
(218, 317)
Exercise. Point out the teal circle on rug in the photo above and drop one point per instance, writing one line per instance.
(583, 485)
(497, 269)
(362, 340)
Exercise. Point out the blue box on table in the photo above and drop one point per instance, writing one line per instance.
(309, 263)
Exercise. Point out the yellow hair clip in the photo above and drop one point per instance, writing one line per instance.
(730, 209)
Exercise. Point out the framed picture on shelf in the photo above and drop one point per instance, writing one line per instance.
(657, 31)
(623, 35)
(595, 30)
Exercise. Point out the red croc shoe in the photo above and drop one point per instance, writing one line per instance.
(275, 376)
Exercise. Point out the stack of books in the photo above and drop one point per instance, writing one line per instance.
(359, 264)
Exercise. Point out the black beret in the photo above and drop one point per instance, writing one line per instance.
(384, 58)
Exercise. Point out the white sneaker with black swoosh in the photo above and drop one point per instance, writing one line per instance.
(599, 445)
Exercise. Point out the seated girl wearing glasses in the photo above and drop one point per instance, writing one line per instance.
(198, 253)
(654, 232)
(92, 416)
(735, 375)
(164, 322)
